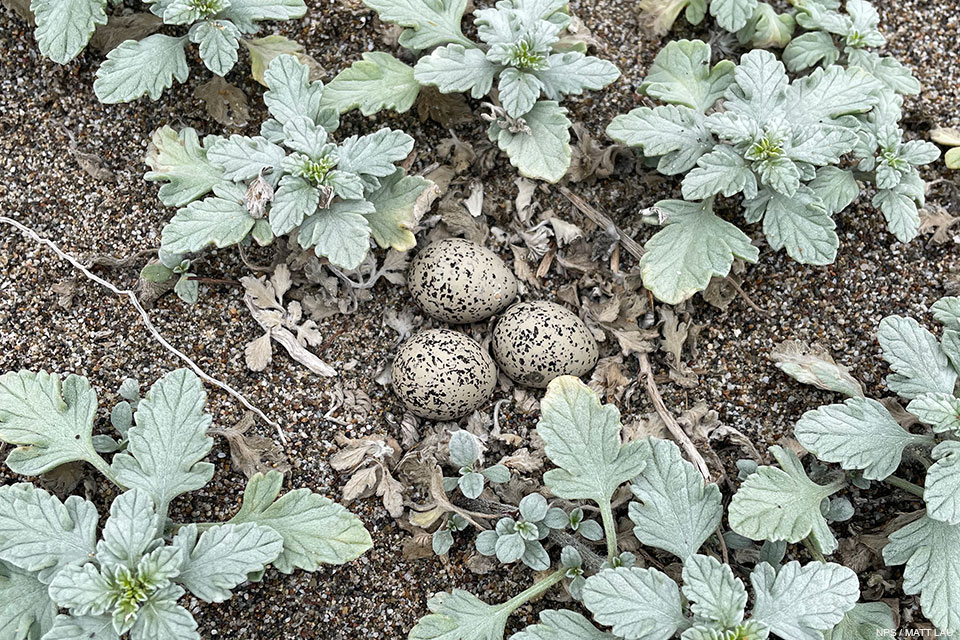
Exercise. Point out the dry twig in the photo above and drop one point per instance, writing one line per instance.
(672, 425)
(30, 233)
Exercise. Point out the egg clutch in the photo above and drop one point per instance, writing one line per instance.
(443, 374)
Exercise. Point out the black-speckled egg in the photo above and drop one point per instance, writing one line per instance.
(459, 281)
(534, 342)
(441, 374)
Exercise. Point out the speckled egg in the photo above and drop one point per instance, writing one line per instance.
(441, 374)
(459, 281)
(534, 342)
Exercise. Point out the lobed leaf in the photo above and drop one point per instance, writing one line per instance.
(543, 153)
(64, 27)
(919, 364)
(147, 66)
(181, 160)
(638, 604)
(377, 82)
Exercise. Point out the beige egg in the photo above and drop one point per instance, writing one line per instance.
(442, 375)
(459, 281)
(534, 342)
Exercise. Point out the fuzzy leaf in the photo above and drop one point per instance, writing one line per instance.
(919, 364)
(314, 529)
(131, 528)
(583, 438)
(639, 604)
(161, 618)
(835, 187)
(800, 224)
(52, 424)
(219, 41)
(26, 611)
(809, 49)
(291, 94)
(394, 214)
(460, 615)
(858, 434)
(82, 628)
(782, 504)
(213, 220)
(947, 312)
(900, 211)
(263, 50)
(732, 15)
(543, 153)
(166, 446)
(40, 533)
(561, 625)
(294, 200)
(716, 595)
(677, 512)
(429, 23)
(942, 484)
(800, 603)
(246, 13)
(147, 66)
(375, 154)
(572, 73)
(722, 170)
(519, 91)
(243, 158)
(64, 26)
(340, 232)
(681, 74)
(939, 410)
(379, 81)
(815, 366)
(676, 134)
(866, 621)
(457, 69)
(930, 549)
(223, 557)
(694, 246)
(181, 159)
(83, 590)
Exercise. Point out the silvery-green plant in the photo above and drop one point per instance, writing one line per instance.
(866, 440)
(59, 581)
(793, 152)
(675, 511)
(754, 22)
(520, 50)
(151, 65)
(520, 539)
(292, 179)
(465, 454)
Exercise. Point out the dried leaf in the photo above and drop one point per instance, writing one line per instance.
(391, 493)
(940, 223)
(815, 366)
(225, 102)
(252, 454)
(361, 484)
(258, 353)
(449, 109)
(134, 26)
(264, 50)
(21, 8)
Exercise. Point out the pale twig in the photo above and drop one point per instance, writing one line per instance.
(146, 320)
(600, 219)
(672, 425)
(743, 294)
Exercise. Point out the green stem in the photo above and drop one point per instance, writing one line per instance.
(609, 529)
(101, 465)
(518, 600)
(906, 485)
(813, 550)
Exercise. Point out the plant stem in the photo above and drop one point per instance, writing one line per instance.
(906, 485)
(609, 529)
(516, 601)
(813, 550)
(101, 465)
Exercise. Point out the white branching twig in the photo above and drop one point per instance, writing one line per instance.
(146, 320)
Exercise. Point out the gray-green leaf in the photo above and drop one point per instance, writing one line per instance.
(223, 557)
(26, 611)
(132, 527)
(543, 153)
(866, 621)
(169, 441)
(716, 595)
(800, 603)
(919, 364)
(315, 530)
(941, 490)
(64, 26)
(180, 159)
(561, 625)
(677, 512)
(428, 23)
(639, 604)
(52, 424)
(583, 438)
(782, 504)
(858, 434)
(135, 68)
(694, 246)
(379, 81)
(374, 154)
(213, 220)
(340, 232)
